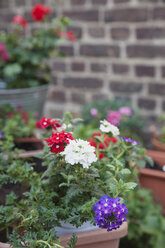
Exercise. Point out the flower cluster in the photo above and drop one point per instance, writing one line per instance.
(3, 53)
(134, 142)
(20, 20)
(101, 145)
(106, 127)
(114, 117)
(39, 12)
(48, 122)
(80, 152)
(58, 141)
(109, 213)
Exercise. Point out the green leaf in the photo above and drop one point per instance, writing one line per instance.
(11, 70)
(125, 171)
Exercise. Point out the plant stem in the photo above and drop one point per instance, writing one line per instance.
(44, 242)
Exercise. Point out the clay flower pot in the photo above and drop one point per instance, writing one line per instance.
(98, 238)
(158, 145)
(154, 180)
(94, 239)
(29, 143)
(32, 147)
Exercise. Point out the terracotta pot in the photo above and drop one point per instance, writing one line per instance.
(29, 143)
(157, 144)
(97, 238)
(32, 147)
(2, 245)
(154, 179)
(94, 239)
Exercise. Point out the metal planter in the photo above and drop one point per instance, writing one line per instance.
(31, 99)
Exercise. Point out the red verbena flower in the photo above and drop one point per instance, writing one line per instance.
(58, 141)
(20, 20)
(101, 145)
(25, 116)
(38, 124)
(55, 124)
(39, 11)
(45, 122)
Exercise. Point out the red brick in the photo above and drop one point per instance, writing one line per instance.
(126, 15)
(78, 2)
(96, 32)
(157, 89)
(99, 2)
(150, 33)
(116, 86)
(145, 71)
(119, 33)
(120, 68)
(146, 103)
(78, 98)
(77, 66)
(121, 1)
(96, 67)
(159, 13)
(82, 15)
(100, 50)
(59, 66)
(66, 50)
(57, 96)
(146, 51)
(86, 82)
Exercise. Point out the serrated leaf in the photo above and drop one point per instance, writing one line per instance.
(125, 171)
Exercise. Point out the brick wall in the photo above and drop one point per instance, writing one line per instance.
(119, 52)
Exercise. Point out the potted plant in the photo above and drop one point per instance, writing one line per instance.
(146, 224)
(153, 178)
(158, 141)
(88, 179)
(24, 70)
(85, 183)
(20, 125)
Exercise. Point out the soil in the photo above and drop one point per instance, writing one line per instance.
(154, 167)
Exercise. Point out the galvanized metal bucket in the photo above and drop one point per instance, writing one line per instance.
(31, 99)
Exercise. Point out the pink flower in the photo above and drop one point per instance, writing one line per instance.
(3, 53)
(20, 20)
(125, 111)
(114, 117)
(94, 112)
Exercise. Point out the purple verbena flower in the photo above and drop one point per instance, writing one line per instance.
(114, 117)
(109, 213)
(1, 135)
(134, 142)
(94, 112)
(125, 111)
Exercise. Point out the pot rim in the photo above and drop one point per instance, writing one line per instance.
(23, 90)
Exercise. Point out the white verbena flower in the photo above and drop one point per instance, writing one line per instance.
(79, 151)
(107, 127)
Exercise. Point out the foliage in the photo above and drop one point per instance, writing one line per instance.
(36, 226)
(146, 225)
(15, 122)
(129, 123)
(26, 63)
(16, 177)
